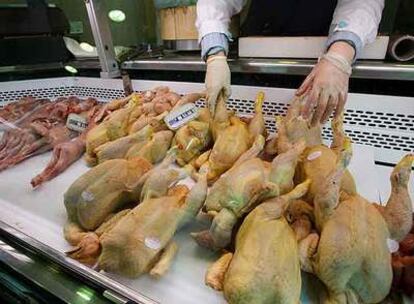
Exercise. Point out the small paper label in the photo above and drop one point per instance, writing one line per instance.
(152, 243)
(314, 155)
(76, 122)
(393, 246)
(87, 196)
(180, 116)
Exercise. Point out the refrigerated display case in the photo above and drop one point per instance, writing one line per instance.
(381, 128)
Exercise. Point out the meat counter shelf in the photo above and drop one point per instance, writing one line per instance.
(36, 217)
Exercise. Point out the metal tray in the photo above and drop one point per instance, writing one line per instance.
(36, 217)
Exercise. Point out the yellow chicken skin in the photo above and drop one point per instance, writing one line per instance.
(153, 150)
(113, 127)
(352, 257)
(265, 265)
(244, 186)
(232, 137)
(119, 147)
(194, 138)
(141, 242)
(317, 160)
(153, 183)
(103, 190)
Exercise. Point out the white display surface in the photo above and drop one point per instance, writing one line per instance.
(385, 123)
(41, 214)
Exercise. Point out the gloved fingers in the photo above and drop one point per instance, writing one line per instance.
(310, 103)
(211, 101)
(211, 104)
(321, 104)
(341, 103)
(227, 91)
(306, 85)
(332, 104)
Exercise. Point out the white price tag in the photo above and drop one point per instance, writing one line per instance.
(76, 122)
(314, 155)
(393, 245)
(152, 243)
(180, 116)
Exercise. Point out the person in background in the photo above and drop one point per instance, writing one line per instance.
(349, 24)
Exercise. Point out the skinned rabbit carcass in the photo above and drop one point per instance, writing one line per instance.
(66, 153)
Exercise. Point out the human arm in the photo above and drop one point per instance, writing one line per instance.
(213, 19)
(354, 24)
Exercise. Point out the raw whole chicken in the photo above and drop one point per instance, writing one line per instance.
(153, 150)
(232, 137)
(352, 256)
(103, 190)
(130, 115)
(119, 147)
(265, 266)
(155, 183)
(403, 265)
(142, 240)
(113, 127)
(317, 160)
(244, 186)
(194, 138)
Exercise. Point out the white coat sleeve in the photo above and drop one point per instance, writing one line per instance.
(356, 21)
(213, 16)
(213, 19)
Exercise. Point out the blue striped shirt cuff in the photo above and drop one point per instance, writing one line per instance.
(213, 43)
(351, 37)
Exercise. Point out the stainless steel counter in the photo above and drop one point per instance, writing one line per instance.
(363, 69)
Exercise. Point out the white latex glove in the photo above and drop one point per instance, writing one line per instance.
(217, 79)
(326, 90)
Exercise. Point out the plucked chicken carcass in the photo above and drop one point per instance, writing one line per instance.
(142, 240)
(318, 159)
(194, 138)
(232, 137)
(130, 115)
(403, 265)
(244, 186)
(155, 185)
(351, 256)
(153, 150)
(101, 191)
(265, 265)
(119, 148)
(113, 127)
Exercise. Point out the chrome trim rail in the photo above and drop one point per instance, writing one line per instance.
(362, 69)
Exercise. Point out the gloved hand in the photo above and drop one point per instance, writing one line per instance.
(217, 79)
(326, 88)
